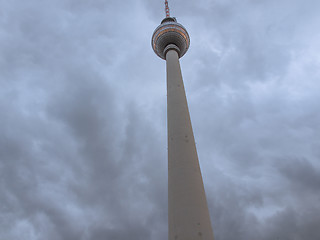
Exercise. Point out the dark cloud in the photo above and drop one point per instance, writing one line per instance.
(83, 118)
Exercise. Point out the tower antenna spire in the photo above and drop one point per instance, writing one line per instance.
(167, 8)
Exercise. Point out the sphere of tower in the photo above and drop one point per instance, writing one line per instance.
(170, 35)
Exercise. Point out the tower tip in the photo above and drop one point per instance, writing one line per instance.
(167, 8)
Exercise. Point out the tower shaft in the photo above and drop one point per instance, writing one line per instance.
(188, 213)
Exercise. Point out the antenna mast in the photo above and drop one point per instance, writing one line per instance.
(167, 8)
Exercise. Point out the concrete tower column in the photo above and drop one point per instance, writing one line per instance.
(188, 213)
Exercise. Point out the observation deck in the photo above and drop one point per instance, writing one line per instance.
(170, 35)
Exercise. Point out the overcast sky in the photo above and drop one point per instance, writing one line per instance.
(83, 141)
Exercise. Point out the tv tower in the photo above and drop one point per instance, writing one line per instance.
(188, 215)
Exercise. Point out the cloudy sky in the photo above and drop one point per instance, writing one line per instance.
(83, 148)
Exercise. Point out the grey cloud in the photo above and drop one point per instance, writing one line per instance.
(83, 118)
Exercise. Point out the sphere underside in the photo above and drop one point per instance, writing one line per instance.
(170, 33)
